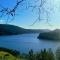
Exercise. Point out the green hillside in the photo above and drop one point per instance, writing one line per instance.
(9, 54)
(7, 29)
(52, 35)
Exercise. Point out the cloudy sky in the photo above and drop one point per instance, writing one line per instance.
(25, 16)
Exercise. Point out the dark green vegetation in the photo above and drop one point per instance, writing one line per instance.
(6, 29)
(42, 55)
(58, 54)
(52, 35)
(9, 54)
(13, 52)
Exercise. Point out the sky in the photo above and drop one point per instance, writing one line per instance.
(25, 17)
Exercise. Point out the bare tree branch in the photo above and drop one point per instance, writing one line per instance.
(10, 12)
(41, 8)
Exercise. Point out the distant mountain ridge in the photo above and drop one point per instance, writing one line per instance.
(7, 29)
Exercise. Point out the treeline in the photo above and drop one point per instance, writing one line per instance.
(31, 55)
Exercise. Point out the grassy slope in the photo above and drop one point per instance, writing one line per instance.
(10, 57)
(9, 54)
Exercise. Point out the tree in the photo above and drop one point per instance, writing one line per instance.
(41, 9)
(10, 12)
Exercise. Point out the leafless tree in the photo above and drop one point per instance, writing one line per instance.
(41, 9)
(12, 12)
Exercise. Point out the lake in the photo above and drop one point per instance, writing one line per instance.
(25, 42)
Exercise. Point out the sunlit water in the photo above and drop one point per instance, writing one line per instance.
(25, 42)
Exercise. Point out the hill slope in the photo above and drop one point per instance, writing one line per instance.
(52, 35)
(9, 54)
(6, 29)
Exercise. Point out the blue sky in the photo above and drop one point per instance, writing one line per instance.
(25, 17)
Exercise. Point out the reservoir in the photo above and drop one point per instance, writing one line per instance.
(25, 42)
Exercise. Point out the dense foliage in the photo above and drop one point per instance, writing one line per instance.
(42, 55)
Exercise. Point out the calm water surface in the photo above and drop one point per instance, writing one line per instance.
(25, 42)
